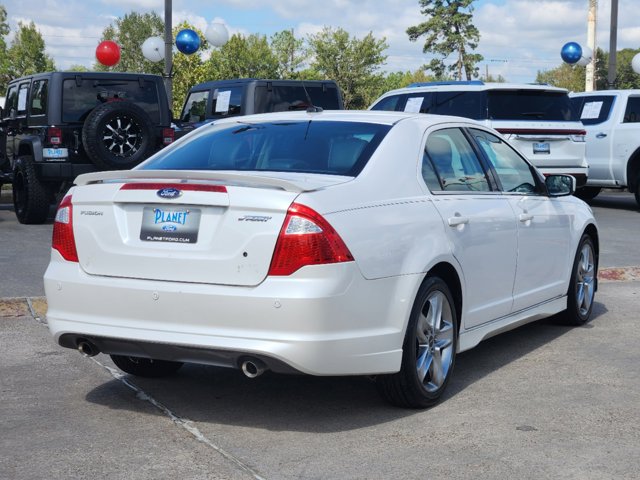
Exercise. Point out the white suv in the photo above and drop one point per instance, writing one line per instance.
(537, 119)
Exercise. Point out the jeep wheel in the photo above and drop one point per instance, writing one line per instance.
(587, 193)
(118, 135)
(636, 190)
(30, 197)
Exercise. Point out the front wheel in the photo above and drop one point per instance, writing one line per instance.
(429, 350)
(636, 191)
(582, 287)
(145, 367)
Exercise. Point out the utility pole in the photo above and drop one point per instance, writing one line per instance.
(591, 43)
(613, 40)
(168, 52)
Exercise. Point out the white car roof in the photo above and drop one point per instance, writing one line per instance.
(630, 91)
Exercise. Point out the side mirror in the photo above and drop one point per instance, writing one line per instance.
(560, 185)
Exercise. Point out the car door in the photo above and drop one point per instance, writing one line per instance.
(544, 224)
(595, 114)
(479, 223)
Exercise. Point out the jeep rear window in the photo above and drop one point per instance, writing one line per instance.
(79, 99)
(287, 98)
(593, 109)
(531, 105)
(325, 147)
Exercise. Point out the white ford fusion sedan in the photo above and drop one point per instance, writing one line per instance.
(324, 243)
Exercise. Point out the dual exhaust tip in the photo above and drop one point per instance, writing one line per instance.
(251, 367)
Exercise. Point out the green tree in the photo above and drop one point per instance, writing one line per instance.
(5, 72)
(188, 70)
(27, 52)
(290, 53)
(571, 77)
(448, 29)
(130, 32)
(243, 57)
(351, 62)
(396, 80)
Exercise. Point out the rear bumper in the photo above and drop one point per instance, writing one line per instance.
(325, 320)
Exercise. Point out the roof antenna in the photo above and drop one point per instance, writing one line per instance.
(312, 108)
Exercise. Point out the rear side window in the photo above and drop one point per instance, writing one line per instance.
(531, 105)
(11, 103)
(632, 113)
(593, 109)
(195, 108)
(79, 98)
(39, 97)
(462, 104)
(327, 147)
(226, 102)
(23, 94)
(450, 163)
(287, 98)
(389, 104)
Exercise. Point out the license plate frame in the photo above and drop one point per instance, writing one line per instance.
(174, 224)
(542, 148)
(55, 153)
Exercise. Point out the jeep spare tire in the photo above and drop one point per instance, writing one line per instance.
(118, 135)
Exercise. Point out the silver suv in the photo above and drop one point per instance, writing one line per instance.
(537, 119)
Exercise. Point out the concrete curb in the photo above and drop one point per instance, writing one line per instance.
(36, 307)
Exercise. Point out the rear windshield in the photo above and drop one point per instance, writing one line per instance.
(285, 98)
(327, 147)
(531, 105)
(79, 99)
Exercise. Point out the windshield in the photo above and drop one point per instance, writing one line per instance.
(329, 147)
(531, 105)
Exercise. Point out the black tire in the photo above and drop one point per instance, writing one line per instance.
(146, 367)
(30, 197)
(582, 285)
(588, 193)
(422, 380)
(118, 135)
(636, 191)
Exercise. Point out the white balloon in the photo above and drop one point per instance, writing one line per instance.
(153, 49)
(587, 56)
(635, 63)
(217, 34)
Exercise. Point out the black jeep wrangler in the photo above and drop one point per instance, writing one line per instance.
(58, 125)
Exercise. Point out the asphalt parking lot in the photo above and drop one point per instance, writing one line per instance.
(542, 401)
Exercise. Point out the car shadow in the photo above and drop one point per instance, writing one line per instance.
(617, 201)
(275, 402)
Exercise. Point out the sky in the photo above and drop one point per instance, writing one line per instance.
(518, 38)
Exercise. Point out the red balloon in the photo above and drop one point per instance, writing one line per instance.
(108, 53)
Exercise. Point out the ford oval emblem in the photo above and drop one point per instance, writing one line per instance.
(169, 193)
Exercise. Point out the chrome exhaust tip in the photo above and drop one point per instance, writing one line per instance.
(87, 349)
(253, 368)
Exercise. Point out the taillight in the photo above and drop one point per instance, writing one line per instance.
(63, 240)
(168, 136)
(306, 238)
(54, 135)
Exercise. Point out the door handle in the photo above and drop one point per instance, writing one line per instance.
(525, 217)
(601, 135)
(458, 220)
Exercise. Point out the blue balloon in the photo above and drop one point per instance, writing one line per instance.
(571, 52)
(187, 41)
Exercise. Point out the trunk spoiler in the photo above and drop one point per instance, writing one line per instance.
(244, 179)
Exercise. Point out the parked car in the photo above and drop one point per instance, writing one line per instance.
(245, 96)
(57, 125)
(332, 243)
(539, 120)
(611, 119)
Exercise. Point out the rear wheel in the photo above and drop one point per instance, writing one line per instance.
(583, 284)
(30, 197)
(636, 191)
(429, 350)
(145, 367)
